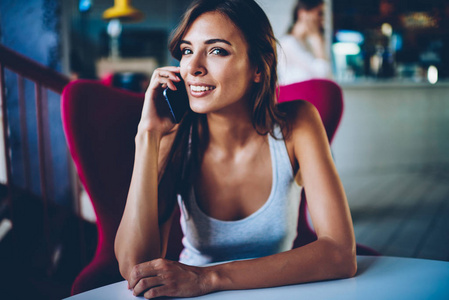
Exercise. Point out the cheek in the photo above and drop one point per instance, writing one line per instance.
(184, 65)
(183, 69)
(238, 83)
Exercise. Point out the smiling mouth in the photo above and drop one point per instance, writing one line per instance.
(201, 88)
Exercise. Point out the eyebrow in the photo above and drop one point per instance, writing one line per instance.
(208, 42)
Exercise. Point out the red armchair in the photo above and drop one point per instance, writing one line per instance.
(100, 123)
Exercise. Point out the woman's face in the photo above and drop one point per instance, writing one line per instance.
(215, 65)
(314, 16)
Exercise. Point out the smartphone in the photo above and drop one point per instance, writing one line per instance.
(178, 101)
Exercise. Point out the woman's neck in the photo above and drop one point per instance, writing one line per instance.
(230, 132)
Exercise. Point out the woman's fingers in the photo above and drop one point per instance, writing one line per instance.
(170, 74)
(165, 82)
(156, 292)
(147, 284)
(163, 277)
(164, 77)
(141, 271)
(155, 112)
(147, 277)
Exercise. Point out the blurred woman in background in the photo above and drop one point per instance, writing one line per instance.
(302, 52)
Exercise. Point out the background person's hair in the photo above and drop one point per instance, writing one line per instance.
(303, 4)
(185, 153)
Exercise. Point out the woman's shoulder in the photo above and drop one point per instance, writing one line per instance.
(301, 118)
(289, 43)
(298, 111)
(286, 39)
(302, 127)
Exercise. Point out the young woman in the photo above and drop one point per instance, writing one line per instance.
(235, 164)
(302, 52)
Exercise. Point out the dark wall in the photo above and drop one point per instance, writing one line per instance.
(32, 28)
(89, 40)
(52, 32)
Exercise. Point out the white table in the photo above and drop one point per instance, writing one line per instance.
(379, 277)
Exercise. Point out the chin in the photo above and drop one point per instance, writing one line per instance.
(199, 109)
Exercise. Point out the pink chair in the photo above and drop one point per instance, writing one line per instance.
(325, 94)
(100, 123)
(327, 97)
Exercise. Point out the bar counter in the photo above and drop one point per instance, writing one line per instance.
(393, 124)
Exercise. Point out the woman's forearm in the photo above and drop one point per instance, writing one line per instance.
(138, 236)
(320, 260)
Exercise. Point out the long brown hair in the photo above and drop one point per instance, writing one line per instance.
(249, 17)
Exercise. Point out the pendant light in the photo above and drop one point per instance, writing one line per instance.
(123, 11)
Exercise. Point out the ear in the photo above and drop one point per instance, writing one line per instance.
(257, 76)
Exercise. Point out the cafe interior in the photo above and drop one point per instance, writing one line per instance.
(390, 60)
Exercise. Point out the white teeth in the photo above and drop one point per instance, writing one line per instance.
(196, 88)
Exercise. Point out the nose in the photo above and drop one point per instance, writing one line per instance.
(196, 66)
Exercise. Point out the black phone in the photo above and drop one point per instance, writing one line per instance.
(178, 101)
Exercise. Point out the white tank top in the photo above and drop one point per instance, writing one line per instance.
(269, 230)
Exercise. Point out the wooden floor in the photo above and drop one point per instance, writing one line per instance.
(401, 214)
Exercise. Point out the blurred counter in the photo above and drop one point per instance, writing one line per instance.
(393, 125)
(393, 83)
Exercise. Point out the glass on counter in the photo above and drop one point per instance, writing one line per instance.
(386, 39)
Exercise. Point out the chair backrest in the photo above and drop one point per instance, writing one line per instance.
(100, 124)
(327, 97)
(325, 94)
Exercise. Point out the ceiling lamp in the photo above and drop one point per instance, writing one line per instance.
(123, 11)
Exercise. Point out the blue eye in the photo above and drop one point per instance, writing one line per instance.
(186, 51)
(219, 51)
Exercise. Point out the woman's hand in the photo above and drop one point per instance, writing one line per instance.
(162, 277)
(155, 112)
